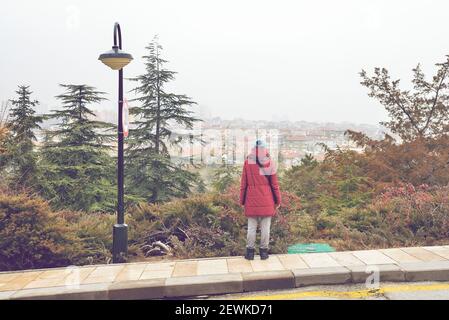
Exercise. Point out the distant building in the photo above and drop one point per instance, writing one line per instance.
(216, 141)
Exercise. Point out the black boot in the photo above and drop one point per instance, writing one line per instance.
(249, 255)
(263, 254)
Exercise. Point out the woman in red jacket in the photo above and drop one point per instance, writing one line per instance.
(260, 194)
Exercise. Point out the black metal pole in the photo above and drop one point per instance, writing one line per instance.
(120, 230)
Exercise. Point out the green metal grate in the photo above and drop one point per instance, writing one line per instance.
(310, 248)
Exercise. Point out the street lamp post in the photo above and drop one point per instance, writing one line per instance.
(116, 59)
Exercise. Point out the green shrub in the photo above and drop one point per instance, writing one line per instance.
(93, 232)
(204, 225)
(212, 224)
(400, 216)
(31, 236)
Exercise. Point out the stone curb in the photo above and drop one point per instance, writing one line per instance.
(268, 280)
(385, 272)
(83, 292)
(191, 286)
(137, 290)
(321, 276)
(203, 285)
(426, 271)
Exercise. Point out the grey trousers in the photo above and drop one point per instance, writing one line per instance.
(265, 223)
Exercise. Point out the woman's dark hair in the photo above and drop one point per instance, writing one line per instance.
(257, 158)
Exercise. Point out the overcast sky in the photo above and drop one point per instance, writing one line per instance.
(295, 60)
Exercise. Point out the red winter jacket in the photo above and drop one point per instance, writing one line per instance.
(256, 193)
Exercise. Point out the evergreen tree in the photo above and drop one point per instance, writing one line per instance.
(224, 176)
(150, 171)
(78, 170)
(20, 160)
(309, 161)
(4, 133)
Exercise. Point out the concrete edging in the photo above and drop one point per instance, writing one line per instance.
(321, 276)
(426, 271)
(83, 292)
(386, 272)
(191, 286)
(137, 290)
(268, 280)
(203, 285)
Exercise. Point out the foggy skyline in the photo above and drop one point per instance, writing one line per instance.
(295, 60)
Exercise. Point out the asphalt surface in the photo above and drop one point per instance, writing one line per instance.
(385, 291)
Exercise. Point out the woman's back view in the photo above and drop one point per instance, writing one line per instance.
(260, 194)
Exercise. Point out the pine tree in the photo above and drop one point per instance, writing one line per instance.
(150, 171)
(20, 160)
(78, 170)
(224, 176)
(309, 161)
(4, 133)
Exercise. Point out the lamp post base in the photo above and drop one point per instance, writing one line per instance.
(120, 243)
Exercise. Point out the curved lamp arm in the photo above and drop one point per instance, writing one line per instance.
(117, 32)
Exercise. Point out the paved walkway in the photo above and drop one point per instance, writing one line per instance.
(149, 280)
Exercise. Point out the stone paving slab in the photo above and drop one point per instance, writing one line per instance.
(103, 274)
(185, 269)
(157, 271)
(6, 277)
(439, 250)
(372, 257)
(5, 280)
(271, 264)
(423, 254)
(20, 282)
(292, 261)
(399, 255)
(346, 259)
(212, 267)
(319, 260)
(239, 265)
(78, 275)
(171, 279)
(54, 274)
(159, 274)
(44, 283)
(131, 272)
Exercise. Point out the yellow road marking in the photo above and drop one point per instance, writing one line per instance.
(416, 287)
(358, 294)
